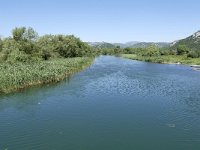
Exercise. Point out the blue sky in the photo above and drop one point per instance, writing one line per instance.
(104, 20)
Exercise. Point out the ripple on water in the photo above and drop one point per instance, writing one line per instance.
(80, 112)
(121, 83)
(114, 83)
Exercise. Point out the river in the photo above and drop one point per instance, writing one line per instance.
(115, 104)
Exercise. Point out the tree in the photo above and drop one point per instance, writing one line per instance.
(152, 50)
(18, 33)
(25, 45)
(9, 45)
(46, 55)
(47, 46)
(26, 39)
(117, 50)
(28, 47)
(182, 49)
(194, 54)
(30, 34)
(127, 50)
(70, 46)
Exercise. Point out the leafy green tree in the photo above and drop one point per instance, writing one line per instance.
(26, 45)
(47, 43)
(182, 49)
(18, 56)
(18, 33)
(70, 46)
(117, 50)
(107, 51)
(25, 39)
(30, 34)
(46, 55)
(128, 50)
(11, 51)
(194, 54)
(152, 50)
(9, 45)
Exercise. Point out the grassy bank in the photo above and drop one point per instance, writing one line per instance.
(14, 77)
(165, 59)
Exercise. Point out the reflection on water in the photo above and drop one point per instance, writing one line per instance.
(115, 104)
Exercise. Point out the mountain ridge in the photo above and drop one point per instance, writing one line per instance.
(192, 42)
(131, 44)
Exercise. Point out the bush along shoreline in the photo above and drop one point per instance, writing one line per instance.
(170, 59)
(19, 76)
(167, 55)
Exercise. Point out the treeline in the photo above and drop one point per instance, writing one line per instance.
(110, 51)
(153, 50)
(25, 45)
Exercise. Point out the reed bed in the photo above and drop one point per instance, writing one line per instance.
(17, 76)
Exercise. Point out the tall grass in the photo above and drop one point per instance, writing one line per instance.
(21, 75)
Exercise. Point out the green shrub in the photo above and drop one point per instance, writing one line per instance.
(182, 49)
(194, 54)
(18, 56)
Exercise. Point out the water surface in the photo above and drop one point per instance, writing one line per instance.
(116, 104)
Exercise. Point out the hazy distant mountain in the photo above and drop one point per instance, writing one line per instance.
(132, 44)
(146, 44)
(192, 42)
(128, 44)
(101, 44)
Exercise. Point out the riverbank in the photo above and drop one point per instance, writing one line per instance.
(17, 76)
(165, 59)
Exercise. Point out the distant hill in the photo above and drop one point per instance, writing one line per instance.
(132, 44)
(128, 44)
(192, 42)
(101, 45)
(146, 44)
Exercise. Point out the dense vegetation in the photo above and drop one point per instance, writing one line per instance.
(25, 45)
(185, 51)
(180, 54)
(191, 43)
(147, 44)
(21, 75)
(27, 59)
(152, 53)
